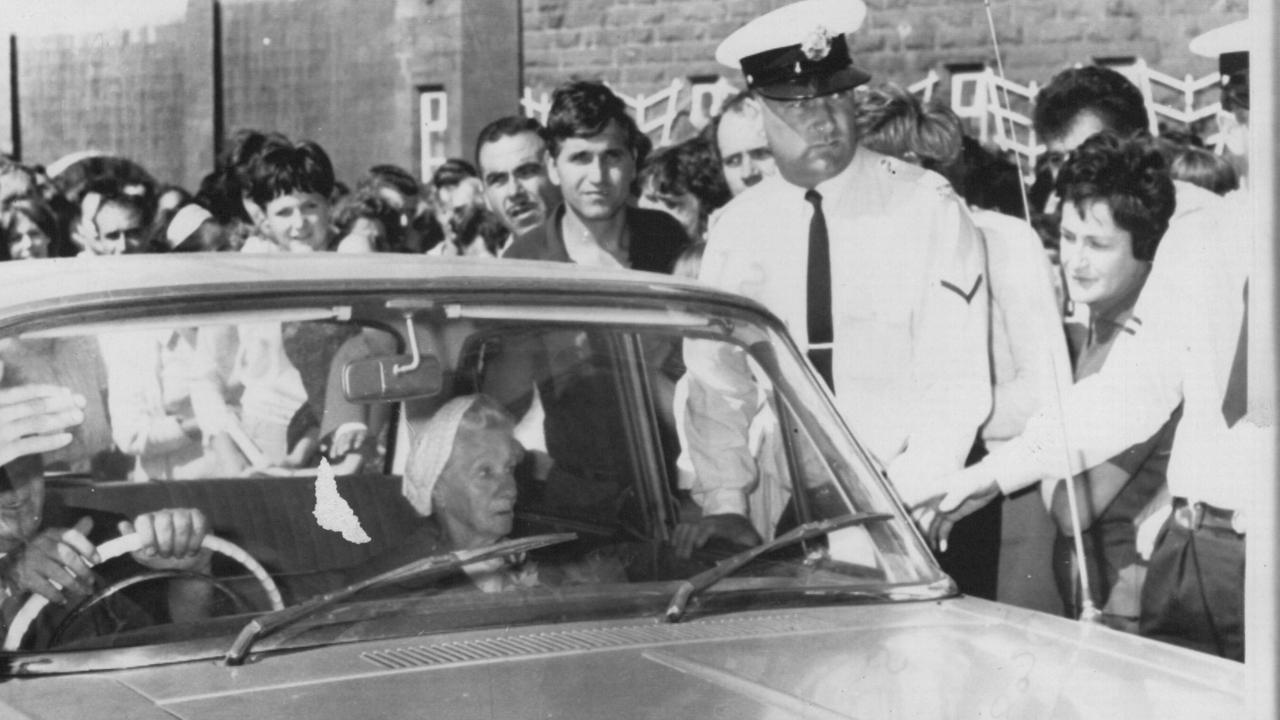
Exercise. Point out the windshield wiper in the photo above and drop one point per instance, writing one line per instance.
(728, 566)
(442, 564)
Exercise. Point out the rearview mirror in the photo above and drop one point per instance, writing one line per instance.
(377, 379)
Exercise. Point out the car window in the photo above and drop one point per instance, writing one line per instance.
(157, 395)
(233, 412)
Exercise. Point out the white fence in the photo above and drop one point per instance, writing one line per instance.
(998, 111)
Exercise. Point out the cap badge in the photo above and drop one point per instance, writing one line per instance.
(816, 44)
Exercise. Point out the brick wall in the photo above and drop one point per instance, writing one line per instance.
(324, 70)
(347, 72)
(343, 73)
(121, 91)
(640, 45)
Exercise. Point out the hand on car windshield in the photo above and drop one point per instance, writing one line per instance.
(690, 536)
(171, 539)
(967, 492)
(36, 418)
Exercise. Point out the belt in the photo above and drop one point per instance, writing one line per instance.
(1202, 516)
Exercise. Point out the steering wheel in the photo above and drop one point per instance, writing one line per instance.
(116, 547)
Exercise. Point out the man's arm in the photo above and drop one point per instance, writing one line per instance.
(951, 370)
(1025, 317)
(716, 423)
(1122, 405)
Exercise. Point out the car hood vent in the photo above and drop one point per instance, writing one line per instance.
(545, 643)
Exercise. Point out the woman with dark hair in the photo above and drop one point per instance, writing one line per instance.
(685, 182)
(481, 233)
(366, 222)
(31, 231)
(1117, 198)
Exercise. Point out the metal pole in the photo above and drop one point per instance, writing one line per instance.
(219, 129)
(15, 112)
(1262, 573)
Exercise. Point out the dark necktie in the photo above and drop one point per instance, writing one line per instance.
(819, 290)
(1235, 401)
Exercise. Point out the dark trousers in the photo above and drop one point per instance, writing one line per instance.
(972, 559)
(1194, 591)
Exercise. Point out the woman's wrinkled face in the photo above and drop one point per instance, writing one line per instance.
(475, 497)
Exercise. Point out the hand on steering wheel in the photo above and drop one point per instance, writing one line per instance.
(132, 543)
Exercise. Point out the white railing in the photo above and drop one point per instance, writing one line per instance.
(998, 111)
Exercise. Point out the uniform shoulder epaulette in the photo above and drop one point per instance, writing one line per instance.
(903, 170)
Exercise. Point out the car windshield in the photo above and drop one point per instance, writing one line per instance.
(329, 441)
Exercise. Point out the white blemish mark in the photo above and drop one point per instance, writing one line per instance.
(332, 512)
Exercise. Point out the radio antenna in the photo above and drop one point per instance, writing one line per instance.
(1089, 612)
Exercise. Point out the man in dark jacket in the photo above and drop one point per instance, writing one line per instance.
(594, 149)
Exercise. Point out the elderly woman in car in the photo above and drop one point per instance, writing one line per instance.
(460, 477)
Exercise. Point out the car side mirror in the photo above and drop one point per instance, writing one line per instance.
(392, 377)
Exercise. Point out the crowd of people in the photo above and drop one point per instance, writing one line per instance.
(962, 319)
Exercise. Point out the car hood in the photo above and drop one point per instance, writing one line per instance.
(959, 658)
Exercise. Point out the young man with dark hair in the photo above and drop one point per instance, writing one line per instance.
(595, 148)
(1082, 101)
(288, 194)
(512, 157)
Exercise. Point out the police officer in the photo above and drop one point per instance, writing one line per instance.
(872, 263)
(1229, 44)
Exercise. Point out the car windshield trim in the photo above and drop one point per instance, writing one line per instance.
(417, 569)
(168, 322)
(571, 313)
(371, 618)
(707, 578)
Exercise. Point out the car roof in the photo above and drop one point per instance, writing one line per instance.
(38, 285)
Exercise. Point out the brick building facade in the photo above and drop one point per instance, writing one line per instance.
(362, 76)
(641, 44)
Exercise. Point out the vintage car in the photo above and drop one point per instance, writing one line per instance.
(841, 612)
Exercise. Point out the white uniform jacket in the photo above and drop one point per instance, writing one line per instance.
(910, 307)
